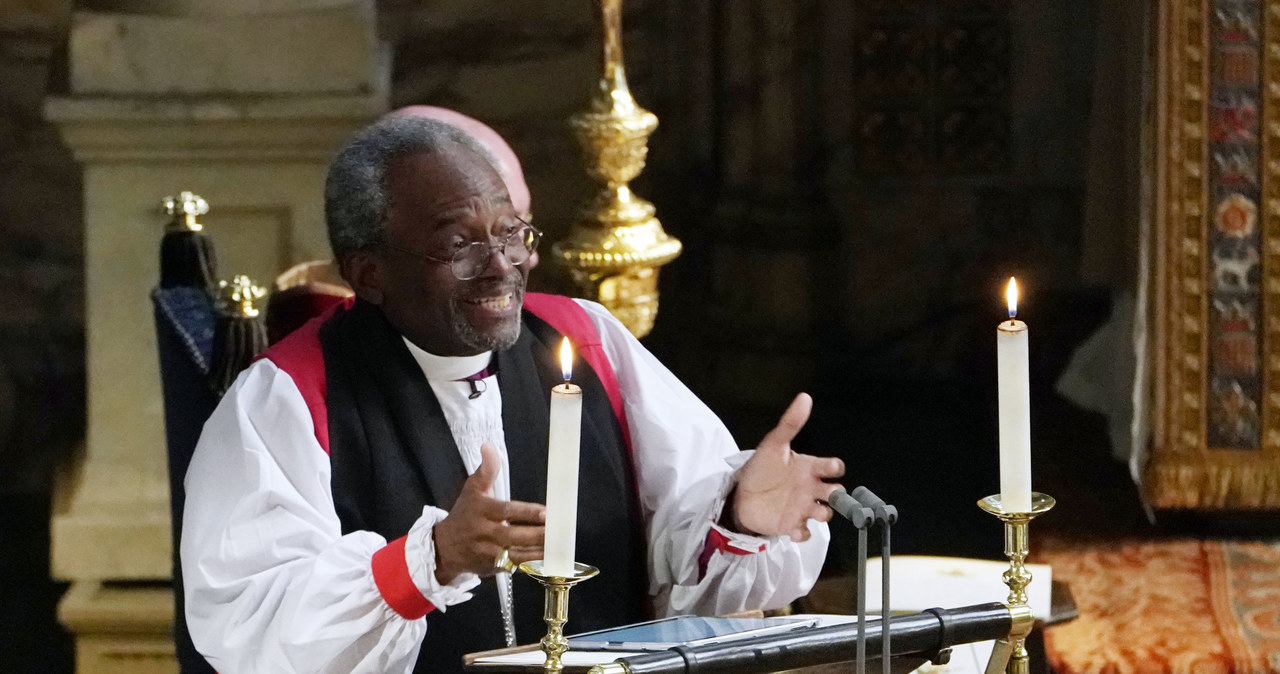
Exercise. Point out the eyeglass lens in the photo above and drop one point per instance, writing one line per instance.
(470, 261)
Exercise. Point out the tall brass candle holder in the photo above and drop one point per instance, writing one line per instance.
(615, 248)
(555, 609)
(1013, 650)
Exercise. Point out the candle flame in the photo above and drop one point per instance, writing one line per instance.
(1011, 294)
(566, 360)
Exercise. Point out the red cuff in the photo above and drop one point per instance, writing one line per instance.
(391, 575)
(718, 541)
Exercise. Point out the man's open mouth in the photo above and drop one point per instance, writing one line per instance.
(496, 304)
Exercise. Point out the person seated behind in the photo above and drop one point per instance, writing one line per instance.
(350, 494)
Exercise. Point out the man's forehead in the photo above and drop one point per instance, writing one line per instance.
(452, 172)
(466, 208)
(445, 187)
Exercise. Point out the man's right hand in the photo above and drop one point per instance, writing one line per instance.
(480, 527)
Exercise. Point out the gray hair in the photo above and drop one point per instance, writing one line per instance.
(355, 195)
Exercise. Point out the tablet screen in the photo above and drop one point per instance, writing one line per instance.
(685, 630)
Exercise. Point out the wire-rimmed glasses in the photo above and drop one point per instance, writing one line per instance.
(472, 259)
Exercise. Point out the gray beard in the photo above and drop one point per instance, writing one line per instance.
(504, 338)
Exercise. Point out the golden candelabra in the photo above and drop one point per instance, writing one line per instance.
(615, 247)
(555, 609)
(1013, 649)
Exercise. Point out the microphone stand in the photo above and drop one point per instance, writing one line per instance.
(886, 515)
(862, 519)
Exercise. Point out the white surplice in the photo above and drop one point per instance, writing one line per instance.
(272, 585)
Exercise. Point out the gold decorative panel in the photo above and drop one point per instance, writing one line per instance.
(1216, 440)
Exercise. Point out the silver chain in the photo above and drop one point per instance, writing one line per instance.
(508, 608)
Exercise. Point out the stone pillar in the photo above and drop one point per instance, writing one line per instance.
(245, 110)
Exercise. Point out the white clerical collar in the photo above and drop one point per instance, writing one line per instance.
(448, 368)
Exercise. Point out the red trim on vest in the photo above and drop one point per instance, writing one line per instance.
(300, 356)
(571, 320)
(717, 541)
(391, 575)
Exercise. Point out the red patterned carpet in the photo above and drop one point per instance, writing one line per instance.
(1177, 606)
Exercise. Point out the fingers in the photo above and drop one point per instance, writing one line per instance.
(521, 512)
(482, 480)
(511, 523)
(822, 492)
(520, 537)
(820, 512)
(828, 468)
(789, 424)
(485, 555)
(512, 512)
(522, 555)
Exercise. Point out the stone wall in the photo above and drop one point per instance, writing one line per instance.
(41, 328)
(41, 306)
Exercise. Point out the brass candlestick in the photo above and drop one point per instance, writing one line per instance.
(1013, 649)
(556, 608)
(615, 248)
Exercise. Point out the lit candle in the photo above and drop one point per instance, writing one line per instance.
(562, 470)
(1015, 409)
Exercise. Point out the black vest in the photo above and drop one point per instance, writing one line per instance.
(379, 400)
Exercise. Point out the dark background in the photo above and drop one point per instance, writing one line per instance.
(853, 183)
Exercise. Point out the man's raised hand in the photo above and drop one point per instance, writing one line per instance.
(779, 490)
(480, 527)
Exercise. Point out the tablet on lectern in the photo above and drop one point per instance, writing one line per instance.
(688, 630)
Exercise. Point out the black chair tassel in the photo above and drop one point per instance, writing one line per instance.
(241, 332)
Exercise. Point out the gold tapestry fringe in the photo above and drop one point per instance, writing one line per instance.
(1214, 486)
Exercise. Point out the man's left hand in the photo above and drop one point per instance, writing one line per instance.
(779, 490)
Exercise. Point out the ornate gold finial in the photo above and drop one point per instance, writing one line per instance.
(614, 249)
(184, 209)
(239, 295)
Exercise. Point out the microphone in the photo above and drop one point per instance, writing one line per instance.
(886, 515)
(849, 508)
(862, 517)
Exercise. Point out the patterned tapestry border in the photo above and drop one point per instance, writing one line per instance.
(1176, 606)
(1216, 427)
(1250, 597)
(1233, 237)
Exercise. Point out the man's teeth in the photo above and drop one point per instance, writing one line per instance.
(494, 303)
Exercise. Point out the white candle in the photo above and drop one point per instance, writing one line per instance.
(1015, 409)
(562, 471)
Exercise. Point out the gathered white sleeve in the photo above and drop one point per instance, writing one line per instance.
(686, 463)
(271, 584)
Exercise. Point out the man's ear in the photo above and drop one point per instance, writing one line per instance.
(363, 270)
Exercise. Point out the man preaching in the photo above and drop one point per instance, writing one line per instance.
(352, 495)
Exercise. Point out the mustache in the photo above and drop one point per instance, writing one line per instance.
(512, 283)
